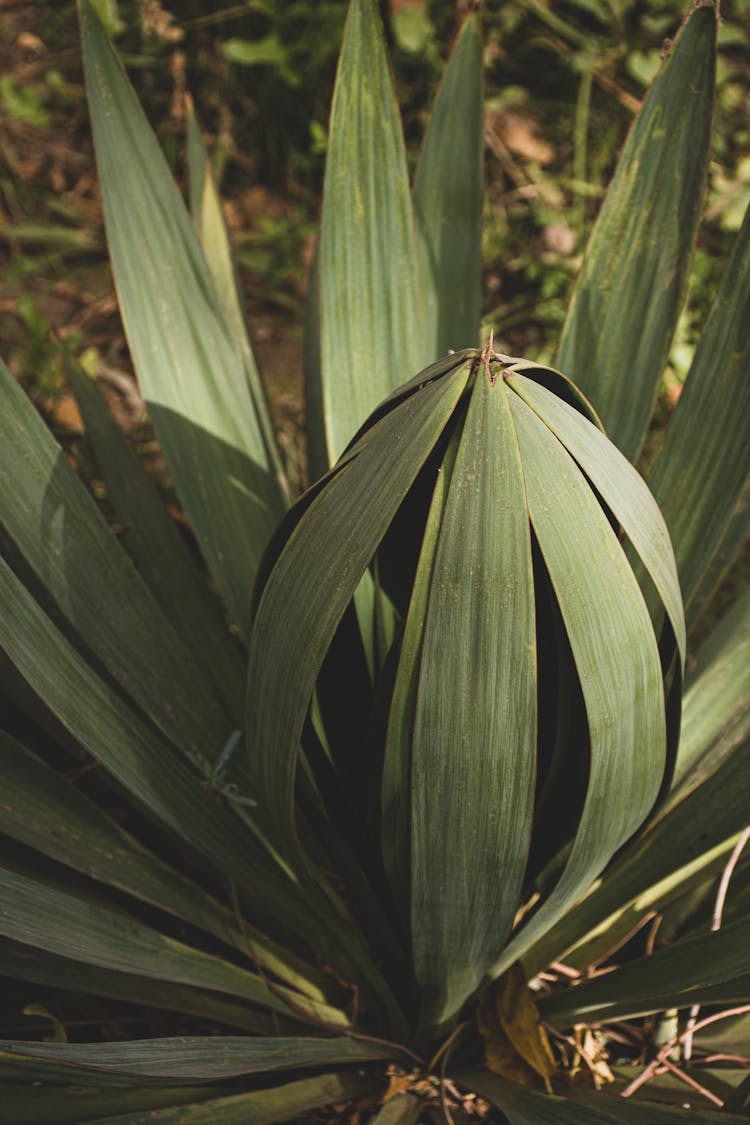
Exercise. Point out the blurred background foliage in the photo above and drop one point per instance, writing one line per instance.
(563, 80)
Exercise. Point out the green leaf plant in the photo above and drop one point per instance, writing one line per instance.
(388, 774)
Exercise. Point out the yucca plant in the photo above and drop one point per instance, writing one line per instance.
(421, 771)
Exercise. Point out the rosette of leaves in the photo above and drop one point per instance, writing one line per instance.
(518, 704)
(304, 828)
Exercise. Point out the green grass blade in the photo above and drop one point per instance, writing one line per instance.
(473, 771)
(65, 539)
(153, 1062)
(448, 190)
(113, 940)
(190, 369)
(615, 653)
(161, 555)
(625, 306)
(682, 974)
(291, 1101)
(622, 489)
(705, 460)
(370, 332)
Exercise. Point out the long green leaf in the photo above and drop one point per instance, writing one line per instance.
(621, 488)
(685, 973)
(64, 538)
(38, 966)
(396, 781)
(302, 604)
(716, 707)
(523, 1106)
(37, 1105)
(152, 1062)
(615, 653)
(625, 306)
(190, 369)
(45, 812)
(137, 757)
(115, 941)
(213, 233)
(705, 460)
(161, 555)
(370, 332)
(262, 1107)
(448, 189)
(729, 552)
(473, 770)
(708, 804)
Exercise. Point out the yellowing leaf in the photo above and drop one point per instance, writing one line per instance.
(516, 1044)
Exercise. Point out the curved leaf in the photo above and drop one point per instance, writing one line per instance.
(112, 940)
(138, 757)
(523, 1106)
(29, 964)
(473, 755)
(45, 812)
(151, 538)
(625, 305)
(716, 707)
(676, 977)
(396, 780)
(151, 1062)
(301, 604)
(213, 234)
(706, 806)
(705, 460)
(190, 369)
(622, 489)
(615, 653)
(262, 1107)
(65, 540)
(36, 1105)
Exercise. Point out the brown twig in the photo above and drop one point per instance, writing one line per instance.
(666, 1048)
(716, 917)
(591, 969)
(653, 931)
(690, 1081)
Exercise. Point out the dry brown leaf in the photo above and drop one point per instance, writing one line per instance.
(500, 1055)
(516, 1044)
